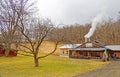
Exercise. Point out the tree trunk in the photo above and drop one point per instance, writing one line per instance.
(7, 52)
(7, 49)
(36, 61)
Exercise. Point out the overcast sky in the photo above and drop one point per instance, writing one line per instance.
(77, 11)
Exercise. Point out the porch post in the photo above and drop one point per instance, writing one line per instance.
(88, 54)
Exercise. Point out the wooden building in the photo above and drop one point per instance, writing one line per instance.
(65, 49)
(88, 50)
(11, 52)
(114, 50)
(94, 50)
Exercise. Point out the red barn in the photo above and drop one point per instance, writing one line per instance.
(2, 50)
(11, 52)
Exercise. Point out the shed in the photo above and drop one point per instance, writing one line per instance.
(2, 50)
(65, 48)
(115, 50)
(11, 52)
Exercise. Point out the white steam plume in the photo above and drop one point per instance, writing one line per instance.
(97, 21)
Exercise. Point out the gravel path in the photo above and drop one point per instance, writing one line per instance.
(111, 70)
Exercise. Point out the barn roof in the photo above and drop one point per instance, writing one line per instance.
(103, 46)
(94, 42)
(113, 47)
(68, 46)
(89, 49)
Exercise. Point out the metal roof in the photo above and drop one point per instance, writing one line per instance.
(89, 49)
(113, 47)
(70, 46)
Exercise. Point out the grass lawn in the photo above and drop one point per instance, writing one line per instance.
(51, 66)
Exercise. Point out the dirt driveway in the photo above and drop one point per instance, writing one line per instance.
(111, 70)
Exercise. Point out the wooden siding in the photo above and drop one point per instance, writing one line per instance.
(11, 53)
(86, 54)
(113, 53)
(92, 54)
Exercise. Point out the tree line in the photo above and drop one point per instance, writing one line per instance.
(109, 33)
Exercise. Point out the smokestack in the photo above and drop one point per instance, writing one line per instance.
(87, 39)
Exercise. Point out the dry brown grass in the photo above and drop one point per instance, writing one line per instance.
(46, 47)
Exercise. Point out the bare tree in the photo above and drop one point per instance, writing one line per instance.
(11, 11)
(107, 33)
(74, 33)
(35, 34)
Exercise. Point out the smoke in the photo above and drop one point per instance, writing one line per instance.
(108, 11)
(100, 19)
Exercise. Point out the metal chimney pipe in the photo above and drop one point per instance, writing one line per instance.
(87, 39)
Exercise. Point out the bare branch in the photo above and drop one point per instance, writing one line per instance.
(50, 52)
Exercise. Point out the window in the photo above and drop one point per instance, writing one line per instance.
(96, 54)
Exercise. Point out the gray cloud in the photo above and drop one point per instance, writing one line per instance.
(77, 11)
